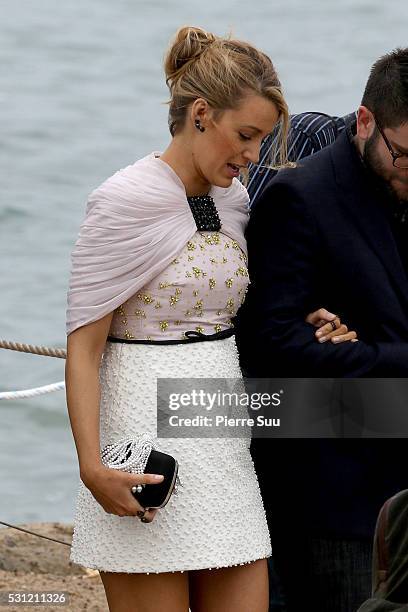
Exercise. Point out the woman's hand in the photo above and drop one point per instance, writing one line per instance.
(112, 490)
(330, 327)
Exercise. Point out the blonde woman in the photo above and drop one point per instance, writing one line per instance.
(146, 269)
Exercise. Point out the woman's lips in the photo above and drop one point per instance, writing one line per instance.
(233, 170)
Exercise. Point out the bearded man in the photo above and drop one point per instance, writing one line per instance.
(332, 231)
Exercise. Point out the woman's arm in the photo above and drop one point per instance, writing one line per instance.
(84, 352)
(111, 488)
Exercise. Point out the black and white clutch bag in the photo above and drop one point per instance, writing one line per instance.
(140, 456)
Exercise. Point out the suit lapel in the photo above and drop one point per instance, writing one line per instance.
(364, 202)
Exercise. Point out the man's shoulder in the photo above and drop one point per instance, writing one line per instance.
(315, 169)
(309, 133)
(301, 191)
(312, 178)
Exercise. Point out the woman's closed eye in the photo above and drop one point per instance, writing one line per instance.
(244, 137)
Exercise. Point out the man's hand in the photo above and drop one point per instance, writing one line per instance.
(330, 327)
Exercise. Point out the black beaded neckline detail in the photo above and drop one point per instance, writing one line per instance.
(205, 213)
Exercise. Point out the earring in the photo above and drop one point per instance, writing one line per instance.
(198, 125)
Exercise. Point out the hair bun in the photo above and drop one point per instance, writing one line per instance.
(188, 45)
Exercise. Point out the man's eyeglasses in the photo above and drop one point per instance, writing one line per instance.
(399, 160)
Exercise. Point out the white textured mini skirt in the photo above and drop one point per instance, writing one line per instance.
(217, 518)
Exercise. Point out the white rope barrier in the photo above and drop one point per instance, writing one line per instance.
(10, 395)
(35, 350)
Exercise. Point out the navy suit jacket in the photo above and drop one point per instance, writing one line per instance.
(319, 236)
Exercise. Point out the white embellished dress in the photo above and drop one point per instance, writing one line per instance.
(217, 519)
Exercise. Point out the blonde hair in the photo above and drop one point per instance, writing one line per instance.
(199, 64)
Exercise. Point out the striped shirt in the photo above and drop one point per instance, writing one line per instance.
(309, 133)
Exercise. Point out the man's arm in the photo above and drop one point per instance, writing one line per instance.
(284, 264)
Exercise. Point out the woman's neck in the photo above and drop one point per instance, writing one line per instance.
(181, 159)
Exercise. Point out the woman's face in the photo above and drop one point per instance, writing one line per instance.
(231, 140)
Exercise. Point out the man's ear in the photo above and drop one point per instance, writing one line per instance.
(365, 123)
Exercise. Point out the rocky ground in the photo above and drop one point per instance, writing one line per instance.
(29, 564)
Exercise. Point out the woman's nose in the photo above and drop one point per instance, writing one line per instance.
(251, 154)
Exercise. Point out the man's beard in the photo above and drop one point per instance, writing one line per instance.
(375, 166)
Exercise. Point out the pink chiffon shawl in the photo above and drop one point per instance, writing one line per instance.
(136, 223)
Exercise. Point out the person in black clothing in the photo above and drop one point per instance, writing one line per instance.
(336, 228)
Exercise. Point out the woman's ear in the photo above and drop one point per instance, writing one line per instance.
(200, 113)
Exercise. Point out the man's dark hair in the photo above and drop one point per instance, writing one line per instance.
(386, 92)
